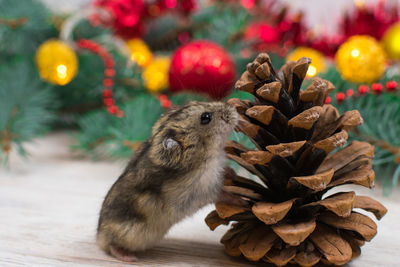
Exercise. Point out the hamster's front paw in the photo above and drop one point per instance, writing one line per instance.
(122, 254)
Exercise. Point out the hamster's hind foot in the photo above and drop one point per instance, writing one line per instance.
(122, 254)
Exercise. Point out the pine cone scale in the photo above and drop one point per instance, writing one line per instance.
(294, 234)
(335, 249)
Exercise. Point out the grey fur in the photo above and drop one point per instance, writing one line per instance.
(172, 175)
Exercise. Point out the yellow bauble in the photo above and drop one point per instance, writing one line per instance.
(317, 59)
(57, 62)
(140, 52)
(391, 41)
(155, 75)
(361, 59)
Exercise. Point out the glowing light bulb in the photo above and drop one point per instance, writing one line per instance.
(355, 53)
(62, 71)
(359, 3)
(155, 75)
(311, 71)
(140, 52)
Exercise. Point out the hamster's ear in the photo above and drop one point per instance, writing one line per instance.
(169, 143)
(171, 151)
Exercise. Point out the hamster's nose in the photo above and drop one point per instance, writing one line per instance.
(229, 116)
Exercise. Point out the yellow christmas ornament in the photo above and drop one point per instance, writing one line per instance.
(391, 41)
(317, 59)
(155, 75)
(57, 62)
(361, 59)
(140, 52)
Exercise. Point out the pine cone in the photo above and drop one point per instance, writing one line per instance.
(286, 216)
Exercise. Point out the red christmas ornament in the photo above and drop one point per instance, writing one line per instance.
(127, 16)
(202, 66)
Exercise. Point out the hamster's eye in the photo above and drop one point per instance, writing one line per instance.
(205, 118)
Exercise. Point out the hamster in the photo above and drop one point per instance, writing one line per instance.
(177, 171)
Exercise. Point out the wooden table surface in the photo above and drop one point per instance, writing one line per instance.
(49, 208)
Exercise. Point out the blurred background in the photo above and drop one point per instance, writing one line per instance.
(318, 12)
(106, 70)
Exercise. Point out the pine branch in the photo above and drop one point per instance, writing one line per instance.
(26, 106)
(23, 26)
(13, 23)
(105, 135)
(394, 150)
(381, 128)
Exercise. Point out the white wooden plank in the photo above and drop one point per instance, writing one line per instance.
(49, 208)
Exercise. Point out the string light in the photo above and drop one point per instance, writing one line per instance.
(62, 71)
(311, 71)
(155, 75)
(57, 62)
(140, 52)
(355, 53)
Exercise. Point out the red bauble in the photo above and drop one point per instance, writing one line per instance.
(202, 66)
(127, 16)
(262, 31)
(187, 6)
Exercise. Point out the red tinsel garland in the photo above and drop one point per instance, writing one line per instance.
(109, 74)
(376, 88)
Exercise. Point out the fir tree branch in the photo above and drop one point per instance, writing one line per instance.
(133, 145)
(81, 108)
(381, 144)
(14, 23)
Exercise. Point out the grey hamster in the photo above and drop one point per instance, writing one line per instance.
(177, 171)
